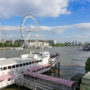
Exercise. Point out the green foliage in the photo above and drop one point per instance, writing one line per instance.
(61, 44)
(87, 66)
(5, 44)
(1, 45)
(10, 45)
(17, 45)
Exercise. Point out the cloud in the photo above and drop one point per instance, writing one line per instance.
(10, 36)
(78, 32)
(60, 29)
(80, 26)
(52, 8)
(9, 28)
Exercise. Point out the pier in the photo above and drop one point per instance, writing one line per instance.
(34, 80)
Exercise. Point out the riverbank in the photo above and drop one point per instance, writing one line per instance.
(4, 48)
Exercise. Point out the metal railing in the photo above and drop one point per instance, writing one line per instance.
(41, 84)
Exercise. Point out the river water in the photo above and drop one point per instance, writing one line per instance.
(72, 61)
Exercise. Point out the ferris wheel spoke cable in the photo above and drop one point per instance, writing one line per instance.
(29, 30)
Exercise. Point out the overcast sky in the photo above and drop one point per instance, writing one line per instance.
(61, 20)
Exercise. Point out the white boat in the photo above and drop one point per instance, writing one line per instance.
(86, 47)
(11, 68)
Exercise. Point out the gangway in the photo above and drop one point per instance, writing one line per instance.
(36, 81)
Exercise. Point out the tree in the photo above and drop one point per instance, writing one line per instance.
(1, 44)
(6, 44)
(87, 65)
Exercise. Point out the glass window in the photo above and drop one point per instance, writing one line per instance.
(23, 64)
(5, 68)
(9, 79)
(39, 61)
(13, 66)
(1, 80)
(29, 62)
(33, 62)
(20, 65)
(26, 63)
(17, 65)
(9, 67)
(1, 69)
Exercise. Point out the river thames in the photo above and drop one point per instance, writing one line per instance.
(72, 61)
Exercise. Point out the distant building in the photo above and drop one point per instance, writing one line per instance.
(51, 42)
(3, 41)
(72, 43)
(45, 43)
(39, 44)
(10, 41)
(76, 43)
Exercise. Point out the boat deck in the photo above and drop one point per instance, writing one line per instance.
(13, 61)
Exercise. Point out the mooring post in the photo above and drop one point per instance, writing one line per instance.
(58, 69)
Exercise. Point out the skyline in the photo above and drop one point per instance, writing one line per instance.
(61, 20)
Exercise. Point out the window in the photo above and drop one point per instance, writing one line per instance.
(17, 65)
(1, 69)
(1, 80)
(23, 64)
(9, 67)
(20, 65)
(39, 61)
(33, 62)
(5, 68)
(9, 79)
(13, 66)
(26, 63)
(24, 75)
(29, 62)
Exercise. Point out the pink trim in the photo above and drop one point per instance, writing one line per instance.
(46, 77)
(38, 67)
(5, 77)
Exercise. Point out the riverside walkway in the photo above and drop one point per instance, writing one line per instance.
(34, 80)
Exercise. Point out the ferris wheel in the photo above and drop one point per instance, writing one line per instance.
(29, 30)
